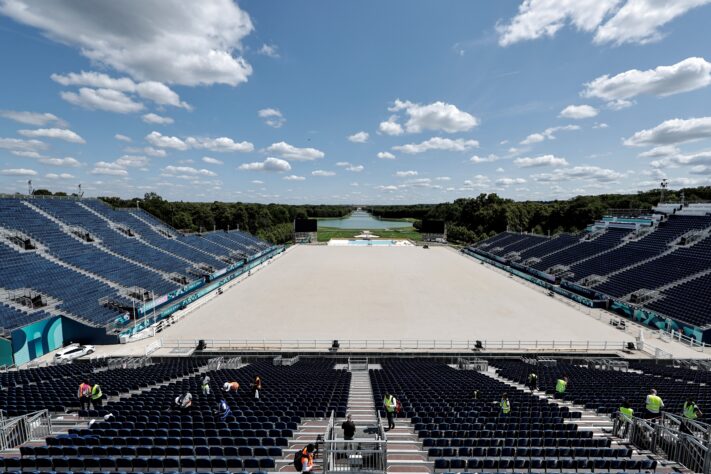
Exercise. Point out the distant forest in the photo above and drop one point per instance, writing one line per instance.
(468, 219)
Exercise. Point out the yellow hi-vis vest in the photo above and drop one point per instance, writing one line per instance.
(505, 406)
(690, 411)
(96, 392)
(654, 403)
(390, 404)
(627, 412)
(560, 386)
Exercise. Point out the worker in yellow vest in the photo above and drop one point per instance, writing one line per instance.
(625, 415)
(96, 396)
(561, 386)
(505, 404)
(653, 405)
(690, 412)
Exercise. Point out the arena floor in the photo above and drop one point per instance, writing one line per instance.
(374, 293)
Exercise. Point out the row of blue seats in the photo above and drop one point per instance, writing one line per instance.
(547, 464)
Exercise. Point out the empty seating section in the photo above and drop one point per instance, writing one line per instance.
(178, 256)
(604, 390)
(584, 249)
(147, 260)
(660, 260)
(647, 247)
(17, 216)
(689, 301)
(55, 387)
(146, 433)
(679, 264)
(556, 243)
(79, 294)
(72, 213)
(11, 318)
(462, 433)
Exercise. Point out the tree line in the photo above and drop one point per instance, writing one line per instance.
(468, 219)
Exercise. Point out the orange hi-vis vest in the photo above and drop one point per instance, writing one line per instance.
(84, 390)
(309, 456)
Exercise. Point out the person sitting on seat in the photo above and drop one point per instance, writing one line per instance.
(230, 386)
(307, 458)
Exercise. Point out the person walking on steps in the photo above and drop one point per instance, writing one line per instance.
(505, 405)
(96, 396)
(205, 385)
(390, 404)
(691, 412)
(561, 385)
(349, 428)
(625, 415)
(84, 394)
(653, 405)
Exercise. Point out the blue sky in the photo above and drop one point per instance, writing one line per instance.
(354, 102)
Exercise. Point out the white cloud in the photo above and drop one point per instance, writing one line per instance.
(58, 133)
(270, 50)
(477, 182)
(675, 158)
(591, 173)
(18, 172)
(484, 159)
(613, 21)
(438, 143)
(292, 153)
(32, 118)
(701, 169)
(360, 137)
(385, 155)
(270, 164)
(165, 40)
(391, 127)
(578, 112)
(688, 75)
(19, 145)
(293, 177)
(437, 116)
(443, 178)
(158, 119)
(220, 144)
(103, 99)
(132, 161)
(272, 117)
(148, 150)
(660, 152)
(108, 169)
(355, 168)
(187, 170)
(160, 94)
(122, 138)
(59, 176)
(547, 134)
(212, 161)
(638, 21)
(510, 181)
(164, 141)
(67, 161)
(672, 132)
(543, 18)
(544, 160)
(600, 125)
(406, 174)
(323, 173)
(619, 104)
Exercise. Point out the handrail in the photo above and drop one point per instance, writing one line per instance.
(399, 344)
(18, 430)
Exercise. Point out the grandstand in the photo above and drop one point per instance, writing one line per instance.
(78, 270)
(654, 268)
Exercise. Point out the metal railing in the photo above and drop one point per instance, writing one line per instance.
(399, 345)
(670, 436)
(21, 429)
(355, 455)
(357, 363)
(215, 363)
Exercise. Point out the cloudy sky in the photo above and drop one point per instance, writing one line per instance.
(366, 101)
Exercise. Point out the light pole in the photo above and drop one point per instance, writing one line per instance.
(663, 184)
